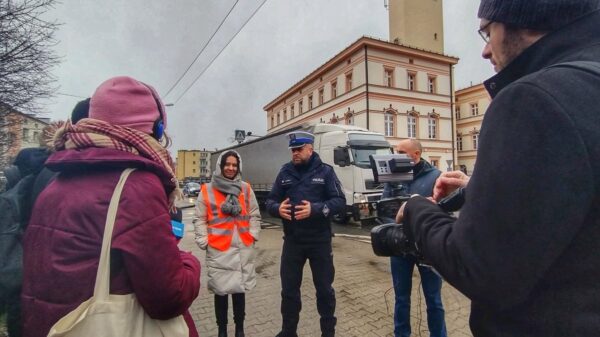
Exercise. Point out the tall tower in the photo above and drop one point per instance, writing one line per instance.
(417, 23)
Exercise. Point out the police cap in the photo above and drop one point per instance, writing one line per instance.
(300, 138)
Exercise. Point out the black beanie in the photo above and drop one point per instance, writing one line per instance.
(81, 110)
(545, 15)
(31, 160)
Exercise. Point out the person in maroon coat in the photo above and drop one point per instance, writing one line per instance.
(63, 240)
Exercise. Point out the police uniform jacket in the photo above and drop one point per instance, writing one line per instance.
(317, 183)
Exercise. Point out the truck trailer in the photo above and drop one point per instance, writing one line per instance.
(345, 147)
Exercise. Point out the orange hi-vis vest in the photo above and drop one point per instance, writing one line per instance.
(221, 226)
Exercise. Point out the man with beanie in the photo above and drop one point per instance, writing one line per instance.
(524, 248)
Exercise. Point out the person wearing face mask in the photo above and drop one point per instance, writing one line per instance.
(227, 224)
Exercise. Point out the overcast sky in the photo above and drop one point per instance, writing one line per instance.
(155, 41)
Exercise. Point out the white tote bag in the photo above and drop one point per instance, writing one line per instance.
(106, 315)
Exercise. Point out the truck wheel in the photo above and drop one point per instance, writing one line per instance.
(341, 219)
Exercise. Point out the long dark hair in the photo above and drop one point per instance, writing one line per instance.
(224, 159)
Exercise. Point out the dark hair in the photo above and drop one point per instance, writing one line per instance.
(80, 111)
(224, 159)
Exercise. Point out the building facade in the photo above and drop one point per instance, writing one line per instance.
(399, 91)
(417, 23)
(18, 131)
(471, 105)
(193, 164)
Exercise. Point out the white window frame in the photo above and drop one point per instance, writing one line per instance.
(411, 122)
(388, 126)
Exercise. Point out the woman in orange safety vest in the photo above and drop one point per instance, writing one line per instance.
(227, 224)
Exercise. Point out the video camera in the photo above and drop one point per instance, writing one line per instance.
(389, 239)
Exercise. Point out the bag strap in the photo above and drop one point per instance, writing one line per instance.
(102, 286)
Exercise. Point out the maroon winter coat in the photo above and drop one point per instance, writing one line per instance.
(63, 240)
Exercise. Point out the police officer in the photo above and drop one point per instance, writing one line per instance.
(305, 194)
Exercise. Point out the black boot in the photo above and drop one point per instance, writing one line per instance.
(239, 330)
(239, 313)
(222, 330)
(221, 303)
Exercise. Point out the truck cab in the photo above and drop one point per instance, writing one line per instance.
(347, 149)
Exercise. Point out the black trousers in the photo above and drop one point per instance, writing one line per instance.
(320, 258)
(239, 308)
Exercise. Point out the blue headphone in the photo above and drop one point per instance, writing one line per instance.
(158, 129)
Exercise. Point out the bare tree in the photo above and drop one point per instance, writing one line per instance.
(26, 61)
(26, 55)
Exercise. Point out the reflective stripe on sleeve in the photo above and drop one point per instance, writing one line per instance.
(247, 196)
(218, 231)
(217, 221)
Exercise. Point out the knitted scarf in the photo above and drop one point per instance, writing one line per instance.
(90, 132)
(231, 188)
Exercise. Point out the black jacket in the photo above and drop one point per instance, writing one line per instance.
(525, 247)
(316, 183)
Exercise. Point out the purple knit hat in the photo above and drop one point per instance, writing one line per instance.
(126, 101)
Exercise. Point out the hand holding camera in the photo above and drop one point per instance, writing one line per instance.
(449, 182)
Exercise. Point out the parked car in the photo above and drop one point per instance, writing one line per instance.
(191, 189)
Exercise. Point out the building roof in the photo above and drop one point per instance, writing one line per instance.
(354, 47)
(10, 109)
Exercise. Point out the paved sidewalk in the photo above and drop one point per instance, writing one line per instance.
(363, 284)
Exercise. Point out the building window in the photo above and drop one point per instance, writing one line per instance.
(475, 141)
(388, 77)
(459, 143)
(389, 124)
(194, 162)
(321, 96)
(333, 89)
(431, 84)
(36, 136)
(193, 170)
(474, 109)
(435, 163)
(412, 126)
(432, 127)
(412, 77)
(272, 121)
(457, 113)
(26, 134)
(348, 81)
(284, 115)
(292, 111)
(300, 109)
(310, 102)
(278, 119)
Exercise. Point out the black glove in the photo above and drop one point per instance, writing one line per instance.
(177, 216)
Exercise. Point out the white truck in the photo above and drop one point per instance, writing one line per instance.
(345, 147)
